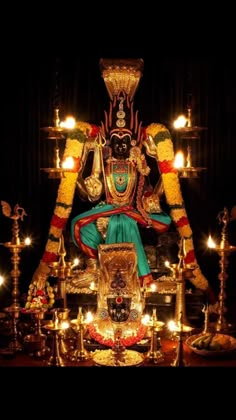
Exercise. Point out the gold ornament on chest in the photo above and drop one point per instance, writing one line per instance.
(120, 180)
(121, 174)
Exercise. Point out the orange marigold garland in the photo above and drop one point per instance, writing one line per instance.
(165, 156)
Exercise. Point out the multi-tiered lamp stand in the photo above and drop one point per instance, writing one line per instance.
(187, 132)
(56, 134)
(224, 249)
(179, 359)
(154, 355)
(15, 246)
(79, 325)
(36, 342)
(55, 327)
(181, 272)
(62, 270)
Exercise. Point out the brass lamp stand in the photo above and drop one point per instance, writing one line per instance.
(15, 247)
(179, 360)
(62, 270)
(154, 355)
(181, 270)
(54, 327)
(224, 250)
(80, 353)
(189, 133)
(36, 342)
(55, 133)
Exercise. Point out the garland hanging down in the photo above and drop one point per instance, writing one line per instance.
(65, 195)
(165, 157)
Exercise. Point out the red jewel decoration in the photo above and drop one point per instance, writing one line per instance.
(119, 300)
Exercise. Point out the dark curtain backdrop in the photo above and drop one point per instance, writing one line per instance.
(31, 87)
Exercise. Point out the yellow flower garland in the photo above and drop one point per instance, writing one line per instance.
(172, 189)
(65, 196)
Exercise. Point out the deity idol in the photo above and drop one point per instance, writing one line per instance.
(119, 185)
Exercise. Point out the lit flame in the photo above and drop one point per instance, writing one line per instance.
(68, 163)
(68, 123)
(76, 262)
(146, 319)
(180, 122)
(153, 287)
(211, 243)
(172, 326)
(179, 160)
(65, 325)
(89, 317)
(167, 264)
(1, 280)
(27, 241)
(92, 285)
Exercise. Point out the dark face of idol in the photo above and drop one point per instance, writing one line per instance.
(120, 145)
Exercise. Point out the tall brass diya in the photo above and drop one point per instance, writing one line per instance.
(62, 270)
(224, 249)
(15, 246)
(79, 325)
(57, 327)
(181, 272)
(154, 355)
(35, 343)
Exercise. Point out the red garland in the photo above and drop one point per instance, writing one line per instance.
(166, 166)
(94, 130)
(49, 257)
(183, 221)
(190, 257)
(126, 342)
(76, 166)
(58, 222)
(144, 132)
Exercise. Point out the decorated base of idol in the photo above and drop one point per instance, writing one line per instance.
(117, 323)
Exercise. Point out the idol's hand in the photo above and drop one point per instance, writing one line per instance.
(94, 187)
(102, 224)
(151, 203)
(150, 146)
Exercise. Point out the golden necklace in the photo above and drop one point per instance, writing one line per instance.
(122, 167)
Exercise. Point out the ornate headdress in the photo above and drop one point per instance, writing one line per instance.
(121, 78)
